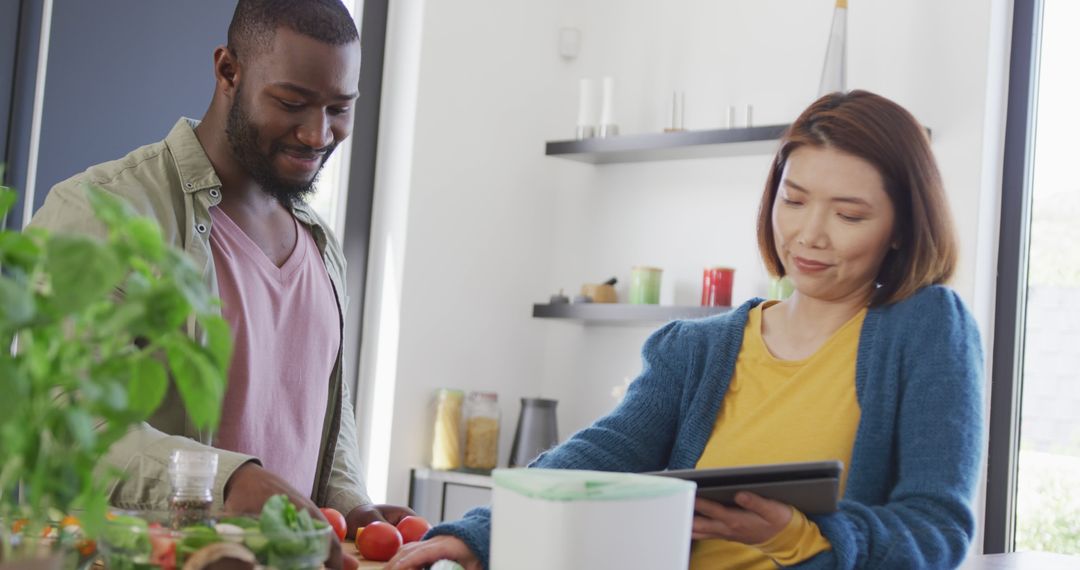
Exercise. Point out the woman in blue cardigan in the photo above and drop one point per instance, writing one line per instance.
(870, 361)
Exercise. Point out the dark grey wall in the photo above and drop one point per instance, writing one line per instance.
(19, 112)
(120, 73)
(9, 30)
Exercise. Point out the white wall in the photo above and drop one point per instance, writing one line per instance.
(492, 225)
(478, 221)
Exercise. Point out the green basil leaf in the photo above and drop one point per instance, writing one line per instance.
(272, 519)
(128, 534)
(219, 341)
(81, 427)
(110, 209)
(8, 197)
(82, 271)
(188, 281)
(17, 305)
(147, 385)
(19, 249)
(125, 319)
(145, 234)
(200, 383)
(15, 388)
(114, 396)
(38, 358)
(95, 507)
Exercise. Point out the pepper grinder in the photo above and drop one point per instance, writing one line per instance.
(536, 431)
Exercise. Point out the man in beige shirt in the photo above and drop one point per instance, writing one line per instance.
(286, 85)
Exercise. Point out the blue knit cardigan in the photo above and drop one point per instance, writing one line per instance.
(917, 452)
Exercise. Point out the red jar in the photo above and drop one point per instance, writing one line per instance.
(716, 283)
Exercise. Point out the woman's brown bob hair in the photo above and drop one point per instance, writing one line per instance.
(884, 134)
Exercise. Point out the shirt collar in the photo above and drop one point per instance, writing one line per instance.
(196, 171)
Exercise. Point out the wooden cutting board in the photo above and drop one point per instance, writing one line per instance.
(350, 548)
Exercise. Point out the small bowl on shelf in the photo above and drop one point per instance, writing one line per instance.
(599, 292)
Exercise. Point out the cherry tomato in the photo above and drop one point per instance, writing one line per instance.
(412, 528)
(336, 520)
(378, 541)
(86, 547)
(162, 548)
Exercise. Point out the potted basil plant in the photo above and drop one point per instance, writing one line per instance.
(97, 333)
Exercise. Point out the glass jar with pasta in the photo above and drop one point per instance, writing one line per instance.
(481, 431)
(446, 446)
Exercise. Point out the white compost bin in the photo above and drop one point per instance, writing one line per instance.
(552, 518)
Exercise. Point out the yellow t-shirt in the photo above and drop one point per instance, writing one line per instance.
(780, 411)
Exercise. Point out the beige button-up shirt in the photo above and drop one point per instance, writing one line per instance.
(173, 182)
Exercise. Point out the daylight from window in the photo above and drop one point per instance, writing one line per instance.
(331, 189)
(1048, 501)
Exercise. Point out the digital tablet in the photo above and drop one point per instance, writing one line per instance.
(812, 487)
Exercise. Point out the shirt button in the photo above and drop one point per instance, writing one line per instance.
(189, 185)
(201, 228)
(214, 193)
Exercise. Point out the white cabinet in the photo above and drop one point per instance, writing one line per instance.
(447, 495)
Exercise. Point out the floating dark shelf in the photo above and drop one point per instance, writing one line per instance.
(669, 146)
(620, 313)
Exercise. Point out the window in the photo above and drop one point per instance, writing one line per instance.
(1033, 500)
(331, 189)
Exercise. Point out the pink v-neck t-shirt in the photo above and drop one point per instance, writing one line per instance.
(286, 333)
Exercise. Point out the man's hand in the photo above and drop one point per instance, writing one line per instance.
(367, 514)
(417, 555)
(251, 485)
(758, 520)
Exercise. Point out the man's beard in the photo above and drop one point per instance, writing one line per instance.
(244, 139)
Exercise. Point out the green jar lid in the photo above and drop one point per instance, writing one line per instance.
(574, 485)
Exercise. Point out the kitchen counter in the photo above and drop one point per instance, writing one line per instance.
(350, 548)
(1021, 561)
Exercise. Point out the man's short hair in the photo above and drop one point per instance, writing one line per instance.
(255, 21)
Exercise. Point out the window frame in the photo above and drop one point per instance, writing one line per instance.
(356, 231)
(20, 103)
(1014, 240)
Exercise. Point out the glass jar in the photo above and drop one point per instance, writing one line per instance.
(446, 446)
(192, 476)
(481, 430)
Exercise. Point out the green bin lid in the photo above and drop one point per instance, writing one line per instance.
(574, 485)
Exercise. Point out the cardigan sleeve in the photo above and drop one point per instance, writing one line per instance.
(637, 436)
(927, 519)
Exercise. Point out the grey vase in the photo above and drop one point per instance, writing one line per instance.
(536, 431)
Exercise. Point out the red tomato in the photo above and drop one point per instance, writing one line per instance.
(412, 528)
(86, 547)
(336, 520)
(162, 548)
(378, 541)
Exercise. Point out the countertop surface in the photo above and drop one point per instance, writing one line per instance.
(350, 548)
(1011, 561)
(1022, 561)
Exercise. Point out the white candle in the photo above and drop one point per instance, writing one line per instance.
(606, 107)
(586, 103)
